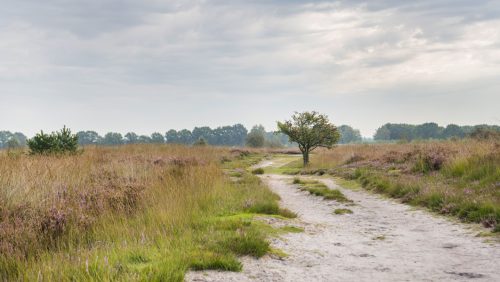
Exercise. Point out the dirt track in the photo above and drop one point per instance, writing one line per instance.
(381, 240)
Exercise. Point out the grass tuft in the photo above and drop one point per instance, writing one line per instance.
(214, 261)
(271, 207)
(342, 211)
(317, 188)
(258, 171)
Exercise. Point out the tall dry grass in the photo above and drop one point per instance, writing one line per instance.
(119, 213)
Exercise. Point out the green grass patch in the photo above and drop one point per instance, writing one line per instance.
(292, 229)
(477, 170)
(244, 160)
(271, 207)
(138, 258)
(342, 211)
(319, 189)
(235, 173)
(285, 164)
(258, 171)
(347, 183)
(209, 260)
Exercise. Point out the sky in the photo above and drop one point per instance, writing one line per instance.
(151, 65)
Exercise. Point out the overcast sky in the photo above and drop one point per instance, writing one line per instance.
(153, 65)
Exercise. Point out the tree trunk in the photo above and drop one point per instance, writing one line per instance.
(305, 157)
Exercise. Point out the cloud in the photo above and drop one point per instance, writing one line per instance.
(126, 53)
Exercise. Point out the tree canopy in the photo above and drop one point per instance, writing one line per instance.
(349, 135)
(429, 130)
(256, 137)
(7, 139)
(310, 130)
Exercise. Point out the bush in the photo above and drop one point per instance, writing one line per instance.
(55, 143)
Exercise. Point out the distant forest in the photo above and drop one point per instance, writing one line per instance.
(238, 135)
(430, 130)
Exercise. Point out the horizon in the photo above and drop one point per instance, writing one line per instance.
(214, 127)
(126, 66)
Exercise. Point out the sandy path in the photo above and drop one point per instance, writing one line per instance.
(381, 241)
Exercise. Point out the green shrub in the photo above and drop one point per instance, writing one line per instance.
(55, 143)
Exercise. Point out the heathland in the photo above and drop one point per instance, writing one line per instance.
(138, 212)
(459, 178)
(153, 212)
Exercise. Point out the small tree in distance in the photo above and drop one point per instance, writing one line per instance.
(310, 130)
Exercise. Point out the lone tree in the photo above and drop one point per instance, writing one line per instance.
(310, 130)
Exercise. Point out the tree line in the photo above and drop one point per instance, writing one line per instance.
(430, 130)
(12, 140)
(238, 135)
(233, 135)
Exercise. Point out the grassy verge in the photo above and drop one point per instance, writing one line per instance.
(456, 178)
(130, 213)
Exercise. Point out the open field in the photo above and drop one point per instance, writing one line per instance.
(458, 178)
(143, 212)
